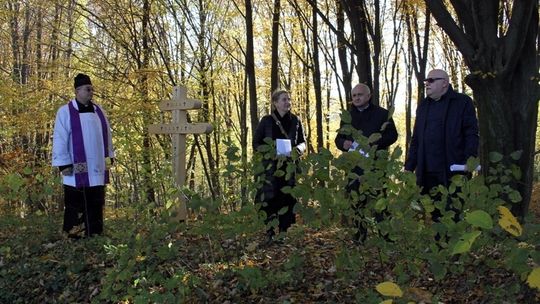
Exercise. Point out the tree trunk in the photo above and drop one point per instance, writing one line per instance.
(143, 81)
(317, 81)
(358, 20)
(250, 68)
(342, 54)
(274, 73)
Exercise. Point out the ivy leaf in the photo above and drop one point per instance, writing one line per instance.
(534, 278)
(389, 289)
(508, 222)
(479, 218)
(465, 242)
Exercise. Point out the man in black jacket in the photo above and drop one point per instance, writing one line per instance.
(368, 119)
(445, 134)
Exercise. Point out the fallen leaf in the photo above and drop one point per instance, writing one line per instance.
(389, 289)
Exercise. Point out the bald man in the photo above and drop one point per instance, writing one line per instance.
(368, 119)
(445, 133)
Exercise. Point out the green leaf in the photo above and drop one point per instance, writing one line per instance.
(279, 173)
(514, 196)
(438, 270)
(374, 137)
(465, 242)
(516, 155)
(346, 117)
(381, 204)
(264, 148)
(283, 210)
(479, 218)
(495, 157)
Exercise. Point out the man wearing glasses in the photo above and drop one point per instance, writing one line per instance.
(82, 150)
(445, 134)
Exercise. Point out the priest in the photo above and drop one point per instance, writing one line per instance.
(83, 151)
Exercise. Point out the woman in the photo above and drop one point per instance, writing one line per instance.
(282, 127)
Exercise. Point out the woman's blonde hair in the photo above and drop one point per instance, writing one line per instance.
(277, 93)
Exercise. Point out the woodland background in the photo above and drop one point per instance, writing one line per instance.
(230, 55)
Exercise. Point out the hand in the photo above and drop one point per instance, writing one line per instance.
(347, 144)
(298, 150)
(67, 171)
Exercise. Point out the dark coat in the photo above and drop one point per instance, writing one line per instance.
(371, 121)
(460, 134)
(267, 127)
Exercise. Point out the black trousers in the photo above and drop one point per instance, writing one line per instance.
(84, 205)
(360, 220)
(273, 206)
(434, 179)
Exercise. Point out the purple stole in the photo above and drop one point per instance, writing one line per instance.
(80, 167)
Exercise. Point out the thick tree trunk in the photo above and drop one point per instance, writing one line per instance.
(357, 17)
(342, 53)
(508, 115)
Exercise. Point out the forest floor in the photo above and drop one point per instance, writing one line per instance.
(40, 265)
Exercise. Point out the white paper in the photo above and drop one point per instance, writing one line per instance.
(354, 146)
(462, 168)
(283, 147)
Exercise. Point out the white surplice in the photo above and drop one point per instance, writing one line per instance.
(62, 152)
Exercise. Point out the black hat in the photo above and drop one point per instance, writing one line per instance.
(81, 79)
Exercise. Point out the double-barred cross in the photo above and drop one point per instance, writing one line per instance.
(178, 130)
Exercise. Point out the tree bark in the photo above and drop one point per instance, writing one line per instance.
(317, 81)
(144, 91)
(274, 73)
(358, 20)
(250, 67)
(342, 53)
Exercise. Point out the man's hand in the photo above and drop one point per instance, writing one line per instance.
(67, 171)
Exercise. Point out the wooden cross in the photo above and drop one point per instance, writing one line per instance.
(178, 130)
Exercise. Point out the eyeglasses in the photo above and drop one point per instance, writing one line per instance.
(432, 80)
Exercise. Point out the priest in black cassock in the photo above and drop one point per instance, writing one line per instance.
(82, 150)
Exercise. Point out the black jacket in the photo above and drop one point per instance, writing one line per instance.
(267, 127)
(370, 121)
(460, 134)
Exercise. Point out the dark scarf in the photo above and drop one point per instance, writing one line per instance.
(286, 122)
